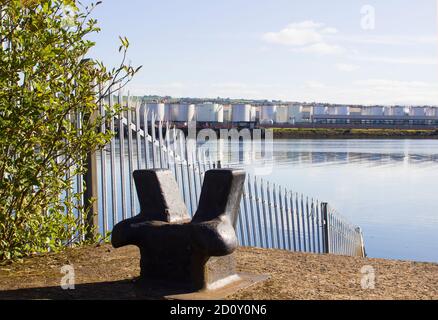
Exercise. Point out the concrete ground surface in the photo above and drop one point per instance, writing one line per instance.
(105, 273)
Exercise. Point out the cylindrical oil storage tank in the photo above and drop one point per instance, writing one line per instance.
(210, 112)
(294, 114)
(227, 113)
(417, 111)
(255, 114)
(355, 111)
(183, 112)
(342, 110)
(395, 111)
(175, 112)
(387, 111)
(268, 114)
(241, 112)
(331, 110)
(281, 116)
(319, 110)
(167, 114)
(431, 112)
(158, 109)
(366, 111)
(377, 111)
(307, 113)
(191, 112)
(373, 111)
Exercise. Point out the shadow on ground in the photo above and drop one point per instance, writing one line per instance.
(120, 290)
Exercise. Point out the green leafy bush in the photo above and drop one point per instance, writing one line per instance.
(46, 87)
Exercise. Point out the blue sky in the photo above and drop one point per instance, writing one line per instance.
(311, 50)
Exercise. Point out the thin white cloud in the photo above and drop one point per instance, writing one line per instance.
(393, 84)
(307, 36)
(295, 34)
(367, 91)
(321, 48)
(398, 60)
(392, 40)
(329, 30)
(313, 84)
(372, 92)
(346, 67)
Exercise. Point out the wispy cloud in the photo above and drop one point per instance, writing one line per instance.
(321, 48)
(307, 36)
(346, 67)
(364, 91)
(398, 60)
(313, 84)
(390, 40)
(371, 92)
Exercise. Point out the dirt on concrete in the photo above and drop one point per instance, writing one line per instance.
(106, 273)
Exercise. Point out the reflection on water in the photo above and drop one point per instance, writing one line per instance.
(386, 186)
(320, 153)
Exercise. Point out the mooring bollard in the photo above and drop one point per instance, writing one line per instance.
(176, 252)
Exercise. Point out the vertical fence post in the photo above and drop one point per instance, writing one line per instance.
(90, 197)
(362, 243)
(325, 227)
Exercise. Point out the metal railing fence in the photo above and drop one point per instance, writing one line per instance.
(271, 216)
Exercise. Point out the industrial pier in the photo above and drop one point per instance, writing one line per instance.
(293, 115)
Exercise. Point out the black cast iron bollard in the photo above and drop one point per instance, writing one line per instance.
(176, 252)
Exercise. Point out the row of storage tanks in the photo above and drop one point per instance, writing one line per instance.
(269, 114)
(394, 111)
(212, 112)
(206, 112)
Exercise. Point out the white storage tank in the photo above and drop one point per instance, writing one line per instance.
(282, 115)
(395, 111)
(191, 112)
(227, 113)
(306, 113)
(342, 110)
(255, 114)
(158, 109)
(331, 110)
(417, 111)
(175, 113)
(373, 111)
(183, 112)
(431, 112)
(241, 112)
(355, 111)
(294, 114)
(377, 111)
(268, 114)
(319, 110)
(210, 112)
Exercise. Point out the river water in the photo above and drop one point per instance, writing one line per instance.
(388, 187)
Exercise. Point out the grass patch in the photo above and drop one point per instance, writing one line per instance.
(290, 133)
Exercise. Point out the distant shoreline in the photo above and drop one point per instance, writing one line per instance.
(328, 133)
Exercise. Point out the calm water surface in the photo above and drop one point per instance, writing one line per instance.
(388, 187)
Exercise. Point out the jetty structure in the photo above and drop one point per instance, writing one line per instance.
(288, 114)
